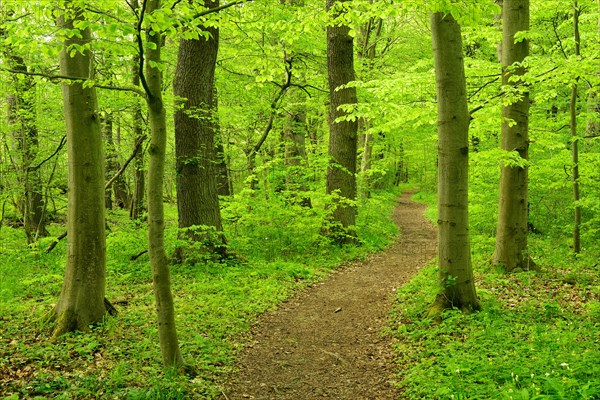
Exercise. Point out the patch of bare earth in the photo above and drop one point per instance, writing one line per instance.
(327, 341)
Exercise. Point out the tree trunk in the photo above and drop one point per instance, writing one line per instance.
(21, 119)
(575, 139)
(197, 197)
(136, 208)
(81, 301)
(295, 158)
(341, 172)
(454, 254)
(167, 330)
(511, 233)
(224, 187)
(118, 188)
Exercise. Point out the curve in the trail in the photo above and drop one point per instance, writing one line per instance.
(327, 341)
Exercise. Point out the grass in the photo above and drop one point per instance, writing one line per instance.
(536, 337)
(279, 249)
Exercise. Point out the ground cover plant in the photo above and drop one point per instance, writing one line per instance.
(535, 338)
(216, 303)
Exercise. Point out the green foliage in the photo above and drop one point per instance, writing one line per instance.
(534, 339)
(279, 250)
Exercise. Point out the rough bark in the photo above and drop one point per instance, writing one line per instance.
(341, 171)
(454, 254)
(197, 197)
(167, 332)
(81, 301)
(511, 233)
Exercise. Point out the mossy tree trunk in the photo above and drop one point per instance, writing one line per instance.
(197, 197)
(511, 233)
(341, 172)
(81, 301)
(165, 309)
(454, 254)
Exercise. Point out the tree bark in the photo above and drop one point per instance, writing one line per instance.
(224, 186)
(575, 138)
(167, 330)
(21, 119)
(295, 158)
(454, 254)
(81, 301)
(197, 197)
(341, 171)
(118, 188)
(511, 234)
(136, 208)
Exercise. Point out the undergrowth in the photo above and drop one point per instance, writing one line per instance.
(536, 337)
(277, 248)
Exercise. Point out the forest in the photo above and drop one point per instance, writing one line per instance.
(300, 199)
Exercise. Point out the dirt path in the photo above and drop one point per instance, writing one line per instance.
(326, 342)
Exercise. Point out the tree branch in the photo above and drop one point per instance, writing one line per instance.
(140, 43)
(63, 140)
(274, 103)
(73, 79)
(136, 149)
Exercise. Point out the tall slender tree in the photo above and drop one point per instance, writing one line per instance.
(152, 83)
(81, 301)
(454, 254)
(511, 233)
(341, 172)
(197, 196)
(575, 136)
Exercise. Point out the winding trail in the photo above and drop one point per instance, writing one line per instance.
(327, 342)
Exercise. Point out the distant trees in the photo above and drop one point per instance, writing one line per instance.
(454, 252)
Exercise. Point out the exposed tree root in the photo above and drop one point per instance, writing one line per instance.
(442, 302)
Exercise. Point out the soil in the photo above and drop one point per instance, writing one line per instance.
(327, 341)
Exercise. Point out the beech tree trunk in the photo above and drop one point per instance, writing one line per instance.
(197, 197)
(511, 233)
(81, 301)
(167, 331)
(341, 172)
(454, 253)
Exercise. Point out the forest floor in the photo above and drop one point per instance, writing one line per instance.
(328, 341)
